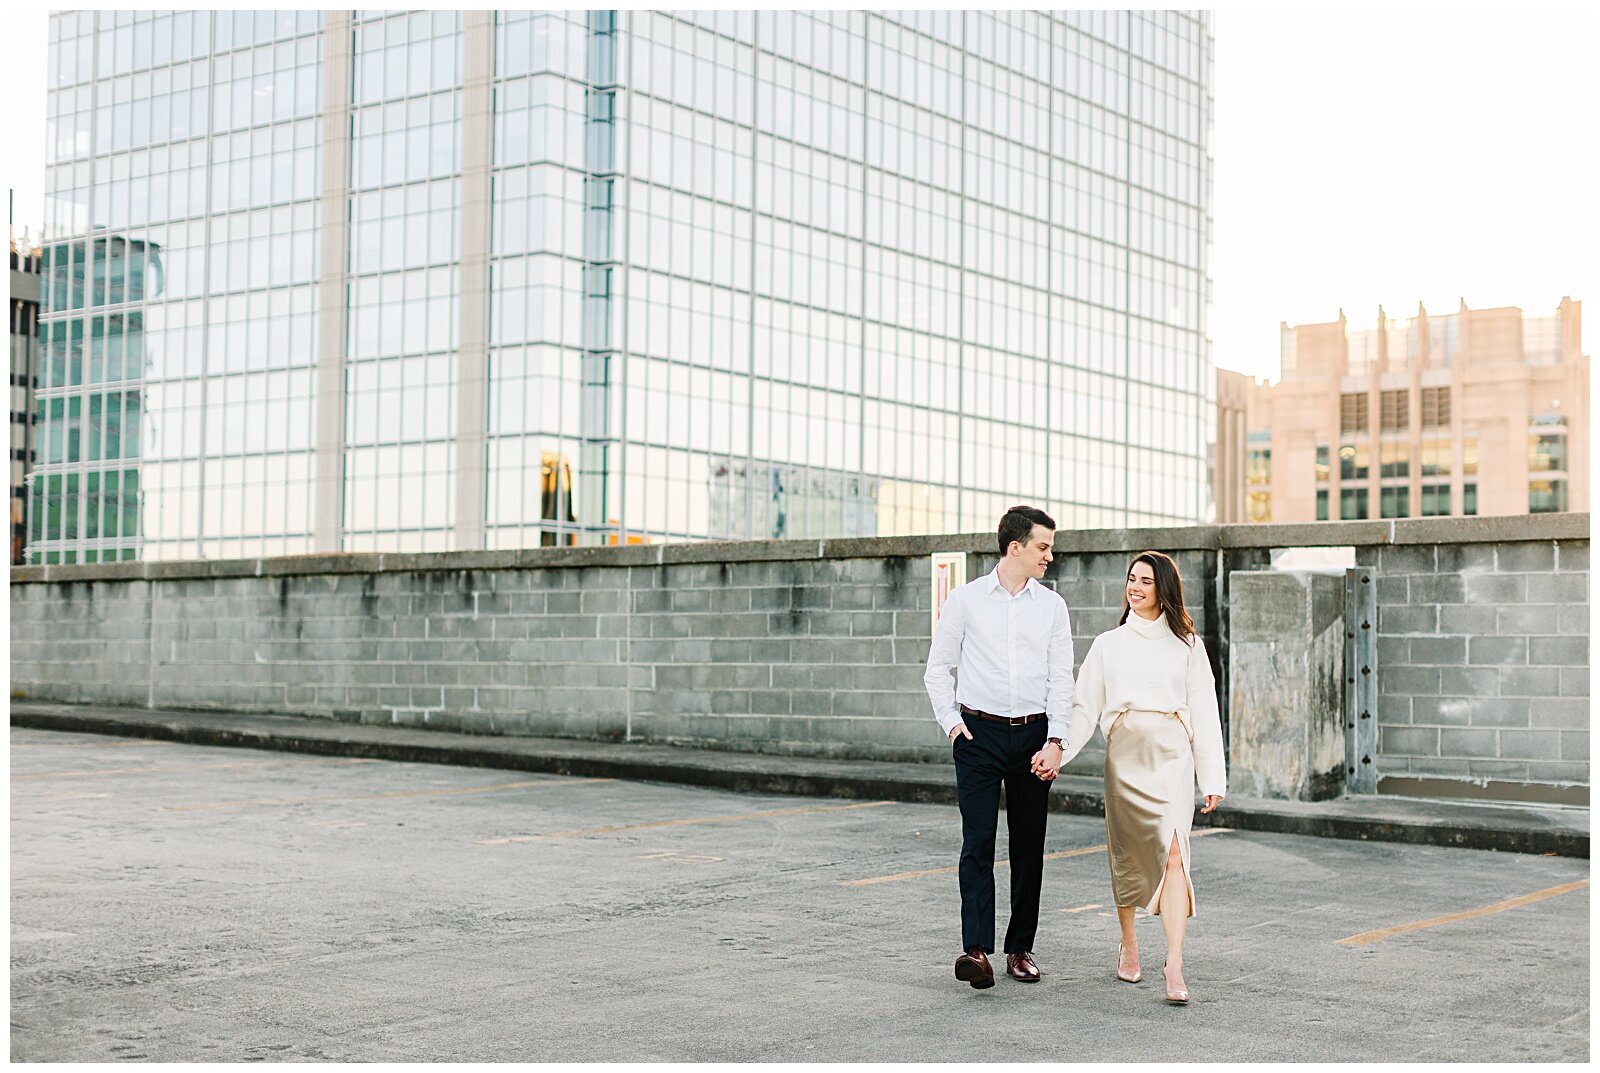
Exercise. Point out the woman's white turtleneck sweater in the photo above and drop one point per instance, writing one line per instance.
(1143, 666)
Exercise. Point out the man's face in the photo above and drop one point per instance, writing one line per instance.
(1034, 555)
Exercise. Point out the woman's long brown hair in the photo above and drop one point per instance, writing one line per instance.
(1169, 594)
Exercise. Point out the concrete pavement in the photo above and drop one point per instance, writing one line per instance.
(176, 902)
(1518, 828)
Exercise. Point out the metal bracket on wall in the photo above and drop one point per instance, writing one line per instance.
(1360, 681)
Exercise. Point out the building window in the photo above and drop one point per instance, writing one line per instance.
(1322, 504)
(1395, 502)
(1394, 459)
(1435, 407)
(1435, 500)
(1547, 452)
(1469, 457)
(1352, 504)
(1394, 411)
(1353, 462)
(1435, 458)
(1258, 467)
(1322, 462)
(1469, 498)
(1258, 507)
(1353, 415)
(1547, 496)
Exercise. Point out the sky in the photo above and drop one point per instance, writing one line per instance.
(1361, 158)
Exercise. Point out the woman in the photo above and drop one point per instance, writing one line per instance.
(1148, 685)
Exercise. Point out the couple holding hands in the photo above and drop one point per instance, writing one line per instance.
(1014, 718)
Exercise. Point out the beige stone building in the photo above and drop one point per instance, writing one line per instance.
(1479, 411)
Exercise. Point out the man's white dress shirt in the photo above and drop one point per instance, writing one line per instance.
(1012, 654)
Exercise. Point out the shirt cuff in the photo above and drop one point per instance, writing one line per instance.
(950, 720)
(1058, 727)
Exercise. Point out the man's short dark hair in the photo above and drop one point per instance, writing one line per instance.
(1017, 525)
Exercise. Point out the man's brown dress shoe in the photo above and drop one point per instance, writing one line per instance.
(973, 967)
(1021, 967)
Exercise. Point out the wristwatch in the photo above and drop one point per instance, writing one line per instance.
(1056, 742)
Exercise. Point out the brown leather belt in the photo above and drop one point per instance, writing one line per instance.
(1021, 720)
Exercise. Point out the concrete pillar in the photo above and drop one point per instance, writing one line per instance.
(1285, 685)
(472, 357)
(333, 284)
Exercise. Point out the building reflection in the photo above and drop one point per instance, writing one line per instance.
(84, 490)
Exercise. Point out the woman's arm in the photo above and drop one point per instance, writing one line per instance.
(1088, 701)
(1201, 689)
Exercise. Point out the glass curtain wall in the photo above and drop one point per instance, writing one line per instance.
(750, 275)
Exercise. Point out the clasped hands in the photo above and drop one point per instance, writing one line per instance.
(1046, 763)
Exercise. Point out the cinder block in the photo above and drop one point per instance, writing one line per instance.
(1464, 558)
(1530, 745)
(1526, 558)
(872, 623)
(1505, 770)
(1573, 556)
(1408, 741)
(1407, 681)
(1469, 711)
(1558, 588)
(1437, 651)
(1402, 620)
(1572, 620)
(1496, 650)
(1393, 650)
(854, 597)
(1558, 771)
(1523, 619)
(1559, 651)
(1497, 589)
(1529, 682)
(1467, 619)
(1406, 559)
(601, 601)
(1437, 589)
(1574, 682)
(1469, 743)
(1575, 745)
(1394, 590)
(1565, 714)
(730, 701)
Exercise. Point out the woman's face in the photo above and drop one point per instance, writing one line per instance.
(1142, 590)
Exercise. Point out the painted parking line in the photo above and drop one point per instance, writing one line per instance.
(184, 767)
(1368, 937)
(374, 797)
(1062, 855)
(677, 823)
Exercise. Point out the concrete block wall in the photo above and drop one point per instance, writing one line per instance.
(791, 647)
(1483, 662)
(803, 647)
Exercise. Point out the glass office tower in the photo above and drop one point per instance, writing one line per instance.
(440, 280)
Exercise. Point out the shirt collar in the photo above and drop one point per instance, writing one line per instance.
(995, 586)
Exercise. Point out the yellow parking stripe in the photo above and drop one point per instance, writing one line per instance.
(1368, 937)
(1062, 855)
(676, 823)
(374, 797)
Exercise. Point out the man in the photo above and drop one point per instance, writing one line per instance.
(1009, 641)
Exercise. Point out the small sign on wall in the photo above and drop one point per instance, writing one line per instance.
(949, 571)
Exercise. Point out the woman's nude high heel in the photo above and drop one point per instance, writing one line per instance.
(1176, 997)
(1137, 975)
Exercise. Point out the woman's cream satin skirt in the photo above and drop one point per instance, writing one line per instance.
(1149, 799)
